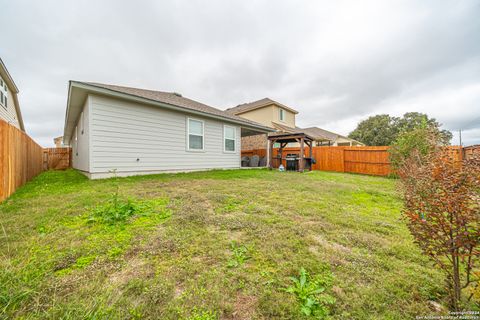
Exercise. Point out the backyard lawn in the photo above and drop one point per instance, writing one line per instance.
(210, 245)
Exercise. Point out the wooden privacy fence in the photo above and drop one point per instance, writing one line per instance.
(471, 151)
(21, 159)
(364, 160)
(57, 158)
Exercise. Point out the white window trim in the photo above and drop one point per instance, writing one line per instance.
(234, 139)
(188, 135)
(280, 112)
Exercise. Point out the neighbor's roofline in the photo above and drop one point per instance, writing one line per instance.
(132, 97)
(10, 79)
(15, 91)
(254, 107)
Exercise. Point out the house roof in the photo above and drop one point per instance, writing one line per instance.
(284, 128)
(170, 100)
(242, 108)
(14, 89)
(322, 134)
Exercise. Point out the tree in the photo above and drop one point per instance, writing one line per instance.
(383, 130)
(422, 140)
(413, 120)
(442, 211)
(379, 130)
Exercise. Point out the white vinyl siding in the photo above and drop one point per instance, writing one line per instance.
(8, 112)
(137, 138)
(81, 141)
(229, 139)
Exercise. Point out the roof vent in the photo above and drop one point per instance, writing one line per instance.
(177, 94)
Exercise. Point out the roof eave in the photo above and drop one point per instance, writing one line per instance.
(261, 106)
(19, 113)
(9, 79)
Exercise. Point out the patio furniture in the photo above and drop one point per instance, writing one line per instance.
(284, 139)
(245, 161)
(263, 162)
(254, 161)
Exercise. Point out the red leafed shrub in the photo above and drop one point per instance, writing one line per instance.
(442, 210)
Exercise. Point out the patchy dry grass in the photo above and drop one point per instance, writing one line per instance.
(177, 261)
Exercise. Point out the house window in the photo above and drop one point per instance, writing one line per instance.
(282, 115)
(195, 134)
(3, 93)
(229, 135)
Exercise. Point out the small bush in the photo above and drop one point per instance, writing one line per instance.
(442, 211)
(311, 293)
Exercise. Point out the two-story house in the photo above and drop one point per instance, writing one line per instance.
(282, 118)
(9, 107)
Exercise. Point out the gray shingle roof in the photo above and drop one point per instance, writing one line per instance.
(175, 99)
(241, 108)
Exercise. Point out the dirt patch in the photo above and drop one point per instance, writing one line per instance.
(334, 246)
(134, 269)
(244, 308)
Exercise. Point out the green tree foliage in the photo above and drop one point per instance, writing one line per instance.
(422, 140)
(383, 130)
(379, 130)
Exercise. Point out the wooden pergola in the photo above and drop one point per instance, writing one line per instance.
(284, 139)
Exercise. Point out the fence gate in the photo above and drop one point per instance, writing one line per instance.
(57, 158)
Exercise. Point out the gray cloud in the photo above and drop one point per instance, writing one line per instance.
(336, 62)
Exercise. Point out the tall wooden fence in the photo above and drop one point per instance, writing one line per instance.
(57, 158)
(471, 151)
(364, 160)
(21, 159)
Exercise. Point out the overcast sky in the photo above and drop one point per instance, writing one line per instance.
(336, 62)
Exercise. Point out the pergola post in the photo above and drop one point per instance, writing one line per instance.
(301, 163)
(310, 155)
(270, 160)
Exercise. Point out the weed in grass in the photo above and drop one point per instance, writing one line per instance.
(202, 315)
(311, 293)
(239, 255)
(113, 211)
(229, 204)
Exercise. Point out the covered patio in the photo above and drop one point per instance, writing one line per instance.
(294, 162)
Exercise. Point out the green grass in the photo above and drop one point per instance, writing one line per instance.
(214, 245)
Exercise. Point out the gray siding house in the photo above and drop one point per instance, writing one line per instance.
(133, 131)
(9, 106)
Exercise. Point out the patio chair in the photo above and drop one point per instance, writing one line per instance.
(262, 162)
(245, 161)
(254, 161)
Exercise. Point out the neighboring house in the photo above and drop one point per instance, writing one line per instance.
(282, 118)
(9, 106)
(124, 131)
(58, 141)
(267, 112)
